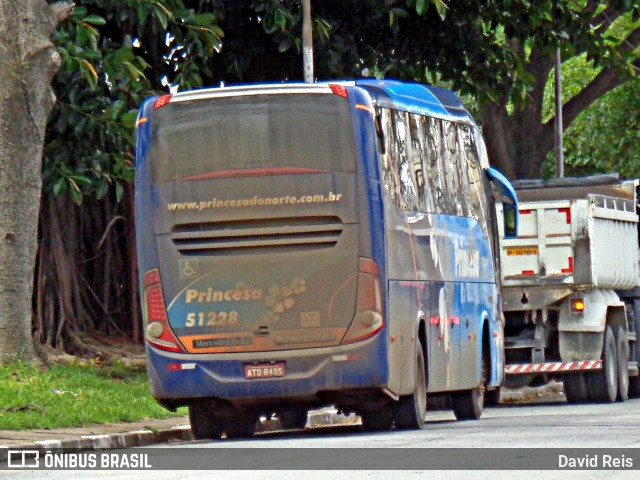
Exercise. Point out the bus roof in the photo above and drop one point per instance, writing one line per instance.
(409, 96)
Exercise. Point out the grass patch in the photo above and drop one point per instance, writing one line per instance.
(74, 396)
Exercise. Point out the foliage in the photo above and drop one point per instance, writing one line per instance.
(606, 137)
(115, 53)
(73, 396)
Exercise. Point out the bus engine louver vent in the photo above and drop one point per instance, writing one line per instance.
(245, 237)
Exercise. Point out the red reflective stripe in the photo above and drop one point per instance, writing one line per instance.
(434, 320)
(570, 268)
(528, 272)
(567, 212)
(525, 212)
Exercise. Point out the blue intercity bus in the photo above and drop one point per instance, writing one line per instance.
(304, 245)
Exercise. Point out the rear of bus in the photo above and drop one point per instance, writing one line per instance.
(259, 266)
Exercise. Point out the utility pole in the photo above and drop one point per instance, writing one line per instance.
(307, 42)
(558, 132)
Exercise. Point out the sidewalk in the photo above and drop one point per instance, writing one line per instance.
(148, 432)
(135, 434)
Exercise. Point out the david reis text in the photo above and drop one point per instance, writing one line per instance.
(595, 461)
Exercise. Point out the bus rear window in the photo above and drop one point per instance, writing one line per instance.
(297, 131)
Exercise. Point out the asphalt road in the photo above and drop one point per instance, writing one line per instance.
(542, 425)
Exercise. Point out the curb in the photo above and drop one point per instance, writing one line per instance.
(141, 438)
(136, 438)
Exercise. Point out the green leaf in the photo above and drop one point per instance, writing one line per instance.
(128, 120)
(421, 6)
(94, 20)
(60, 185)
(81, 179)
(102, 189)
(119, 191)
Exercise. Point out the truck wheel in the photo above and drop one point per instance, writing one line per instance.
(411, 410)
(204, 424)
(603, 385)
(634, 382)
(575, 388)
(469, 405)
(622, 352)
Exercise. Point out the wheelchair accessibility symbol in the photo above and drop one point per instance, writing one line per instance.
(188, 268)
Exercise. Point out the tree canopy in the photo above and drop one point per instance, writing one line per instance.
(114, 53)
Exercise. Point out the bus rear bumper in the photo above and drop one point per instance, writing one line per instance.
(312, 376)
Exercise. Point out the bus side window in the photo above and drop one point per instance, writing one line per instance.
(382, 148)
(390, 185)
(478, 200)
(435, 182)
(417, 159)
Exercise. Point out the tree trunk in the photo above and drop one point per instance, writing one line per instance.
(28, 62)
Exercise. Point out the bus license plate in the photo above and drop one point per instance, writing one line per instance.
(264, 370)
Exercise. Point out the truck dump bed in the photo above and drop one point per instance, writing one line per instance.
(574, 234)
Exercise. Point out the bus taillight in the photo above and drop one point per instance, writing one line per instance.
(369, 318)
(339, 90)
(157, 331)
(161, 101)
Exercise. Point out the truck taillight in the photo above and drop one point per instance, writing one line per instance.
(369, 318)
(577, 305)
(157, 330)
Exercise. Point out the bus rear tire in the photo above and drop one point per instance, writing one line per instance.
(469, 405)
(240, 425)
(293, 419)
(204, 424)
(376, 420)
(411, 410)
(603, 385)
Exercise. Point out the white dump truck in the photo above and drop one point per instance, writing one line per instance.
(570, 288)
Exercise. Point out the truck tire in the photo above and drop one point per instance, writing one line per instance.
(411, 410)
(469, 405)
(603, 385)
(634, 382)
(575, 388)
(204, 424)
(622, 362)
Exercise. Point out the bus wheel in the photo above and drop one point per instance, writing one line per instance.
(376, 420)
(575, 388)
(603, 385)
(240, 425)
(469, 405)
(411, 410)
(492, 397)
(204, 424)
(293, 419)
(622, 362)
